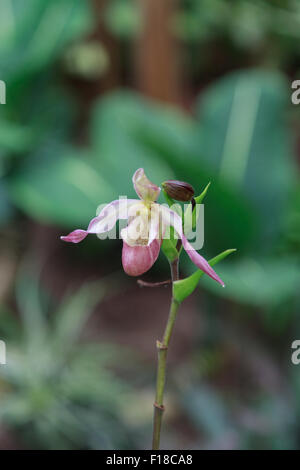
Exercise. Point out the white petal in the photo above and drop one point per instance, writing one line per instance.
(109, 215)
(144, 188)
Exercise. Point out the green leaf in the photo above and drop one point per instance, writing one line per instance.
(66, 189)
(185, 287)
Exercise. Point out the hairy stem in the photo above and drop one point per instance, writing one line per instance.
(162, 349)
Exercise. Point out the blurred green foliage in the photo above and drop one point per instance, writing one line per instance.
(247, 23)
(38, 114)
(268, 29)
(57, 391)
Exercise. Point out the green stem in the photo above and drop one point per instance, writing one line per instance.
(162, 349)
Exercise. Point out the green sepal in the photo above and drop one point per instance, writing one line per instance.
(201, 196)
(189, 217)
(185, 287)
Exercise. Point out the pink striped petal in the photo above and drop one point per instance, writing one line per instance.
(137, 260)
(105, 221)
(75, 237)
(170, 217)
(200, 262)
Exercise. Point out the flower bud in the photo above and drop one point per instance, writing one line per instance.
(178, 190)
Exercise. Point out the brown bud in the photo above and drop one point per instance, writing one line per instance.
(178, 190)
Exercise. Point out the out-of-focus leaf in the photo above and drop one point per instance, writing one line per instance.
(258, 282)
(14, 137)
(65, 190)
(61, 390)
(73, 313)
(6, 209)
(116, 127)
(28, 39)
(244, 136)
(185, 287)
(207, 410)
(248, 24)
(123, 18)
(291, 226)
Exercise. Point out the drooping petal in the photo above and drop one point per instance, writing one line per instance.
(200, 262)
(137, 260)
(105, 221)
(144, 188)
(170, 217)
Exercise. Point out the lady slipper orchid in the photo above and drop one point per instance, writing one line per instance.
(147, 226)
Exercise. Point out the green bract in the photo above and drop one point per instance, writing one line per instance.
(185, 287)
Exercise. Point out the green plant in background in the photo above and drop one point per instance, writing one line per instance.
(263, 31)
(56, 390)
(38, 114)
(238, 136)
(248, 24)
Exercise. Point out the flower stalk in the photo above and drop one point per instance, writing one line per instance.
(152, 227)
(162, 349)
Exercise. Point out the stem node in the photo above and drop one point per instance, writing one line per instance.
(160, 407)
(160, 346)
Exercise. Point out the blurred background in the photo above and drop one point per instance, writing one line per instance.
(198, 90)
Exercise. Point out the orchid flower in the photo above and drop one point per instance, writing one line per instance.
(148, 222)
